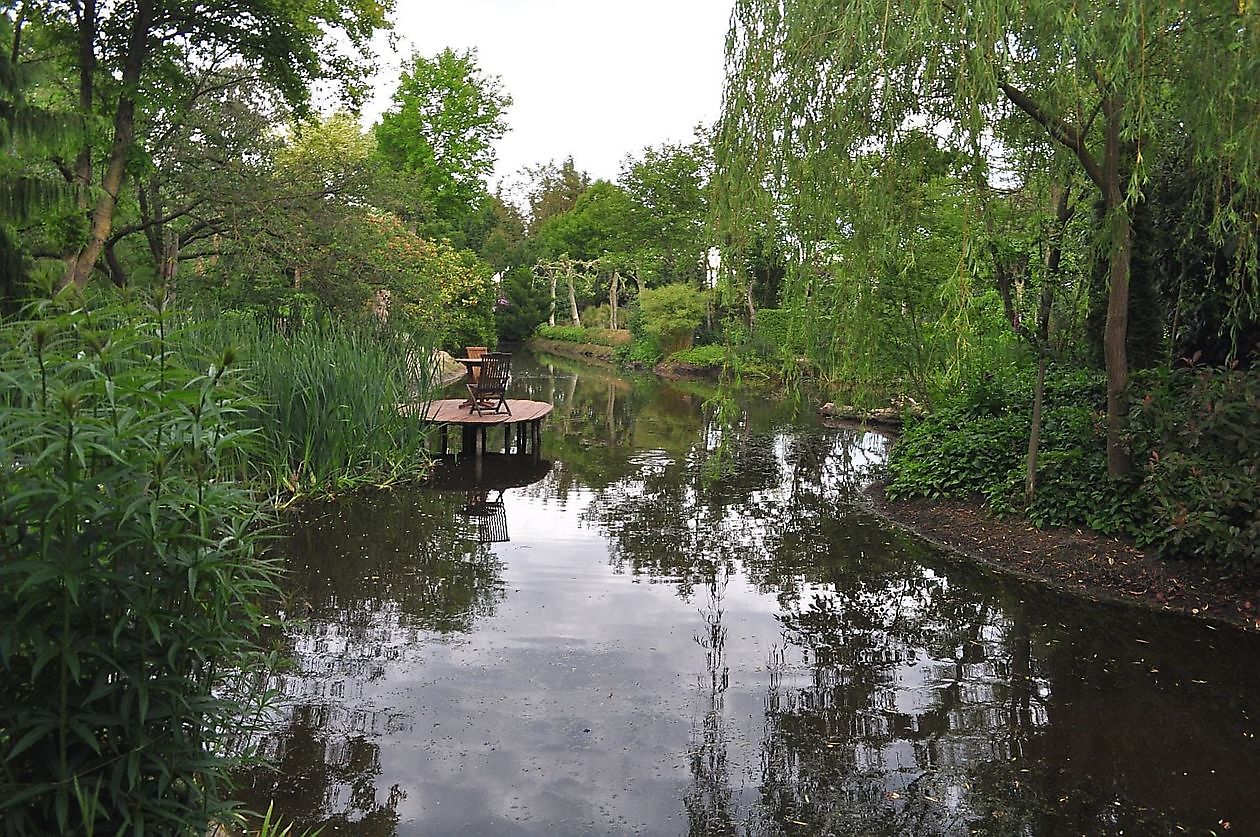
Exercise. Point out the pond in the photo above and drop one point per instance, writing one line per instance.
(680, 621)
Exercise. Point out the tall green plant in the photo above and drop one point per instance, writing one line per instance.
(130, 576)
(336, 403)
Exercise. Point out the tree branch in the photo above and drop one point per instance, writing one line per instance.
(140, 226)
(1062, 132)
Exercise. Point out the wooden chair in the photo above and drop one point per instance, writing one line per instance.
(488, 392)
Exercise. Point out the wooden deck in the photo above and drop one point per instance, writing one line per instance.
(453, 411)
(527, 416)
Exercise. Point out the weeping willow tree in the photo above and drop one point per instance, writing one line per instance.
(818, 90)
(25, 131)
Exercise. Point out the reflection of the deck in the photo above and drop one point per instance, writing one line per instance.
(491, 472)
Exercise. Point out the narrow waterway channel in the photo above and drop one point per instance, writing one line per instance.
(679, 625)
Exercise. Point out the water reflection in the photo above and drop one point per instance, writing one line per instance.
(370, 579)
(686, 625)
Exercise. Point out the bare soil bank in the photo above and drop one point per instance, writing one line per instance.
(1078, 561)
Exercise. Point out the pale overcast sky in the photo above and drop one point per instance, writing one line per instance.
(591, 78)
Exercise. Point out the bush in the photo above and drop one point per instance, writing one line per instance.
(566, 334)
(1199, 431)
(578, 334)
(596, 316)
(520, 306)
(772, 332)
(641, 351)
(711, 355)
(670, 315)
(1196, 431)
(131, 576)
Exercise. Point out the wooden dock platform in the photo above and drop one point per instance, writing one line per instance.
(525, 417)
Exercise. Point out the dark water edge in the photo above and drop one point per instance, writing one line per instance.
(680, 621)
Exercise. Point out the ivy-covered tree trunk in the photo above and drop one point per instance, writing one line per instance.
(613, 289)
(551, 310)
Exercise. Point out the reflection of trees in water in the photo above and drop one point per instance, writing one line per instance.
(368, 577)
(317, 773)
(773, 510)
(393, 562)
(907, 692)
(708, 801)
(920, 706)
(589, 433)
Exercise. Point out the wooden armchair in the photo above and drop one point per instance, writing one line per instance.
(488, 392)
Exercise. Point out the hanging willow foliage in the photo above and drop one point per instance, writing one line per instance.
(819, 96)
(25, 131)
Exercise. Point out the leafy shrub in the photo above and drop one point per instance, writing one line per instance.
(711, 355)
(955, 452)
(520, 307)
(771, 332)
(1200, 432)
(670, 315)
(131, 576)
(567, 334)
(596, 316)
(1196, 431)
(578, 334)
(640, 351)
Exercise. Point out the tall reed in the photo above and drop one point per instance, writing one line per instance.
(336, 403)
(130, 576)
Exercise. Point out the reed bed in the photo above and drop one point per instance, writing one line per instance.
(330, 402)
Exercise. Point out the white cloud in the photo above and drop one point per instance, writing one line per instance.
(597, 80)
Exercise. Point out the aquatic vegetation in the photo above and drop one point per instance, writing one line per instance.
(331, 402)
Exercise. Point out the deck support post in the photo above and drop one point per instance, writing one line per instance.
(527, 417)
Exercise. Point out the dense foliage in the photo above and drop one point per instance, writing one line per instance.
(132, 576)
(581, 334)
(670, 316)
(1194, 429)
(906, 152)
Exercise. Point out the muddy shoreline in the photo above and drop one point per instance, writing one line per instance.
(1076, 561)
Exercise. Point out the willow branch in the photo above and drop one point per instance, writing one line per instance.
(1062, 132)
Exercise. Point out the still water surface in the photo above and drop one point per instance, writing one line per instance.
(675, 624)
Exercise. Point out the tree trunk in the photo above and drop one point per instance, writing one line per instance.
(1054, 257)
(551, 312)
(1034, 432)
(1119, 461)
(612, 300)
(573, 309)
(79, 265)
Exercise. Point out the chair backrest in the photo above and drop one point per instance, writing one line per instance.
(474, 373)
(495, 369)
